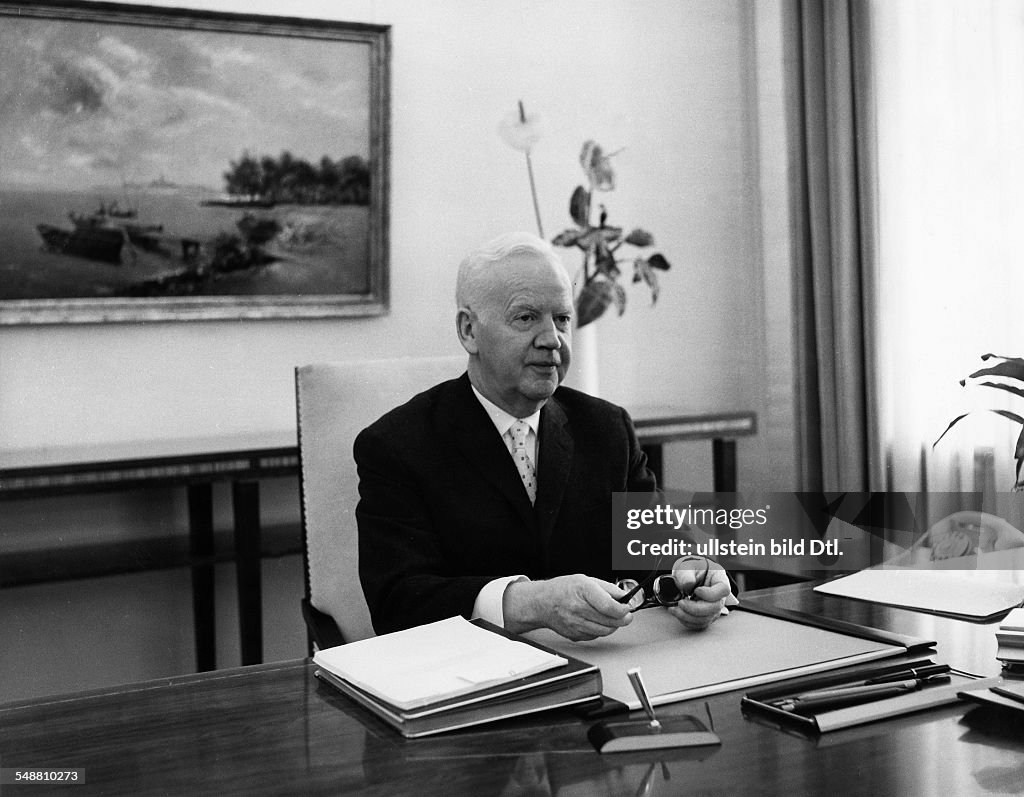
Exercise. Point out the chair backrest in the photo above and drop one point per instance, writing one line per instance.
(335, 402)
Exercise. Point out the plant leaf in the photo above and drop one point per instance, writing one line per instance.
(1011, 415)
(640, 238)
(594, 237)
(597, 166)
(1011, 369)
(1005, 413)
(579, 206)
(989, 356)
(568, 238)
(1018, 452)
(952, 423)
(1008, 388)
(642, 271)
(658, 260)
(620, 298)
(593, 301)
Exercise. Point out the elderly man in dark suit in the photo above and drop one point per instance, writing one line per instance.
(490, 495)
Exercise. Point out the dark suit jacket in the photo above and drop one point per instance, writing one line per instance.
(442, 509)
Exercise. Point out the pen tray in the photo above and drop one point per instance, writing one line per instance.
(760, 702)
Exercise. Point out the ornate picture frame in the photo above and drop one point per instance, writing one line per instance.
(172, 164)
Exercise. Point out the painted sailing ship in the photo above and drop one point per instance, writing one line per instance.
(103, 234)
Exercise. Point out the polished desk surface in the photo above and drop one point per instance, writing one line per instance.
(273, 728)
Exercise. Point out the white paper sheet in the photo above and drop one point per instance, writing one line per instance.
(433, 662)
(952, 592)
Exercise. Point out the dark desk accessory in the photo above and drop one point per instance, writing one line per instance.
(1003, 693)
(835, 701)
(854, 694)
(652, 734)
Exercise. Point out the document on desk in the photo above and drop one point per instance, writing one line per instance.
(738, 651)
(977, 595)
(433, 662)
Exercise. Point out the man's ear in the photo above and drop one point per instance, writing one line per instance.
(465, 326)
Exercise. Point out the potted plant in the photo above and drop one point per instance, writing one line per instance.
(1009, 372)
(601, 244)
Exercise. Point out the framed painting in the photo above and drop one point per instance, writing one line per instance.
(168, 164)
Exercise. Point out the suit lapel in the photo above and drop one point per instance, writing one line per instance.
(473, 433)
(556, 450)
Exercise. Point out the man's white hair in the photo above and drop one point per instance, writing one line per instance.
(478, 265)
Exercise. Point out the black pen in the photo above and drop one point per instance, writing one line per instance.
(846, 696)
(923, 675)
(925, 671)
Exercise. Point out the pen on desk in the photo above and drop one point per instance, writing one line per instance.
(864, 687)
(638, 686)
(925, 671)
(845, 696)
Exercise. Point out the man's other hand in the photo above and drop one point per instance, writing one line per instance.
(577, 607)
(706, 602)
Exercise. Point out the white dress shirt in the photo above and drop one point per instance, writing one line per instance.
(488, 601)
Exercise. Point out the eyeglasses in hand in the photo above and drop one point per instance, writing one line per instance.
(661, 589)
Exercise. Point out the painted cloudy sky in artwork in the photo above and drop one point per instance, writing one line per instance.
(84, 105)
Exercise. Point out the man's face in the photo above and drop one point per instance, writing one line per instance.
(522, 334)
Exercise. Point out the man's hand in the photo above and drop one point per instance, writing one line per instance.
(706, 602)
(577, 607)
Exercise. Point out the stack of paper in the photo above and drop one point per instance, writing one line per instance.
(453, 673)
(433, 662)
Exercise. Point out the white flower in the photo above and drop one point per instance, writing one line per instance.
(521, 130)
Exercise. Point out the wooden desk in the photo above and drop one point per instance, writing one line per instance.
(195, 464)
(274, 729)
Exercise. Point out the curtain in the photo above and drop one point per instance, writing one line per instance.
(833, 277)
(948, 134)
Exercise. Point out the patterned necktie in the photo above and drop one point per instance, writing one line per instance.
(518, 432)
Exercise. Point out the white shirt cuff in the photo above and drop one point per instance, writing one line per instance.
(488, 605)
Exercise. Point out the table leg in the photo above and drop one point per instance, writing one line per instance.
(200, 528)
(655, 462)
(723, 458)
(245, 497)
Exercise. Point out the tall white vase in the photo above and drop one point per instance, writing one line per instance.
(583, 372)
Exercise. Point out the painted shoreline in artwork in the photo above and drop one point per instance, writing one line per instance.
(314, 249)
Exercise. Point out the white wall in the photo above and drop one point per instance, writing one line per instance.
(667, 81)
